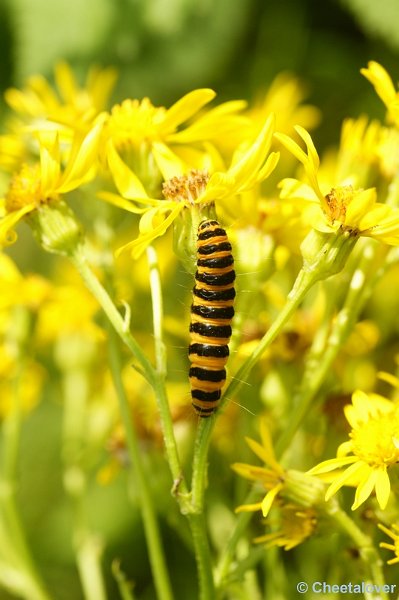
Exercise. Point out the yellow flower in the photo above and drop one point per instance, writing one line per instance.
(68, 310)
(373, 448)
(342, 207)
(284, 97)
(394, 535)
(387, 151)
(13, 151)
(67, 108)
(150, 139)
(385, 89)
(357, 151)
(29, 290)
(295, 526)
(293, 486)
(247, 169)
(272, 478)
(44, 182)
(29, 381)
(69, 105)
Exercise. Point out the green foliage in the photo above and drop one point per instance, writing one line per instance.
(378, 19)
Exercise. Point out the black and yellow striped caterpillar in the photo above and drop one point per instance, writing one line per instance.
(211, 314)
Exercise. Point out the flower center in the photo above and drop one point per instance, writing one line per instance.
(134, 122)
(337, 201)
(24, 188)
(297, 524)
(187, 188)
(376, 441)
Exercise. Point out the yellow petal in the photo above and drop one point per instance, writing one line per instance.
(100, 83)
(121, 202)
(381, 81)
(269, 166)
(344, 449)
(83, 158)
(246, 170)
(66, 82)
(7, 236)
(127, 183)
(167, 161)
(382, 488)
(50, 161)
(185, 108)
(310, 160)
(292, 147)
(139, 245)
(268, 446)
(343, 479)
(364, 489)
(312, 155)
(269, 499)
(330, 465)
(213, 123)
(361, 204)
(248, 507)
(293, 188)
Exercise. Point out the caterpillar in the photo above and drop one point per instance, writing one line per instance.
(211, 315)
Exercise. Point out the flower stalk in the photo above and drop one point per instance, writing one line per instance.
(154, 378)
(368, 553)
(364, 278)
(151, 528)
(14, 549)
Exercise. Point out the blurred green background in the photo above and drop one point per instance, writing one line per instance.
(164, 48)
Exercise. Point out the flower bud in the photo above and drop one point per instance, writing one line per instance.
(325, 254)
(56, 228)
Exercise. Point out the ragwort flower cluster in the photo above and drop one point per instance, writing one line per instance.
(206, 162)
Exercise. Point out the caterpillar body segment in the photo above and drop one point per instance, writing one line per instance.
(211, 314)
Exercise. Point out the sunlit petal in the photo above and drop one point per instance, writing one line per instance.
(139, 245)
(269, 499)
(128, 184)
(82, 160)
(186, 107)
(382, 488)
(341, 480)
(167, 161)
(7, 236)
(364, 489)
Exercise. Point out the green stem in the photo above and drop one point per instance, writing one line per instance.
(191, 508)
(364, 278)
(200, 464)
(302, 285)
(223, 567)
(155, 379)
(14, 539)
(151, 529)
(179, 484)
(157, 311)
(202, 556)
(73, 355)
(363, 542)
(124, 586)
(93, 284)
(89, 552)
